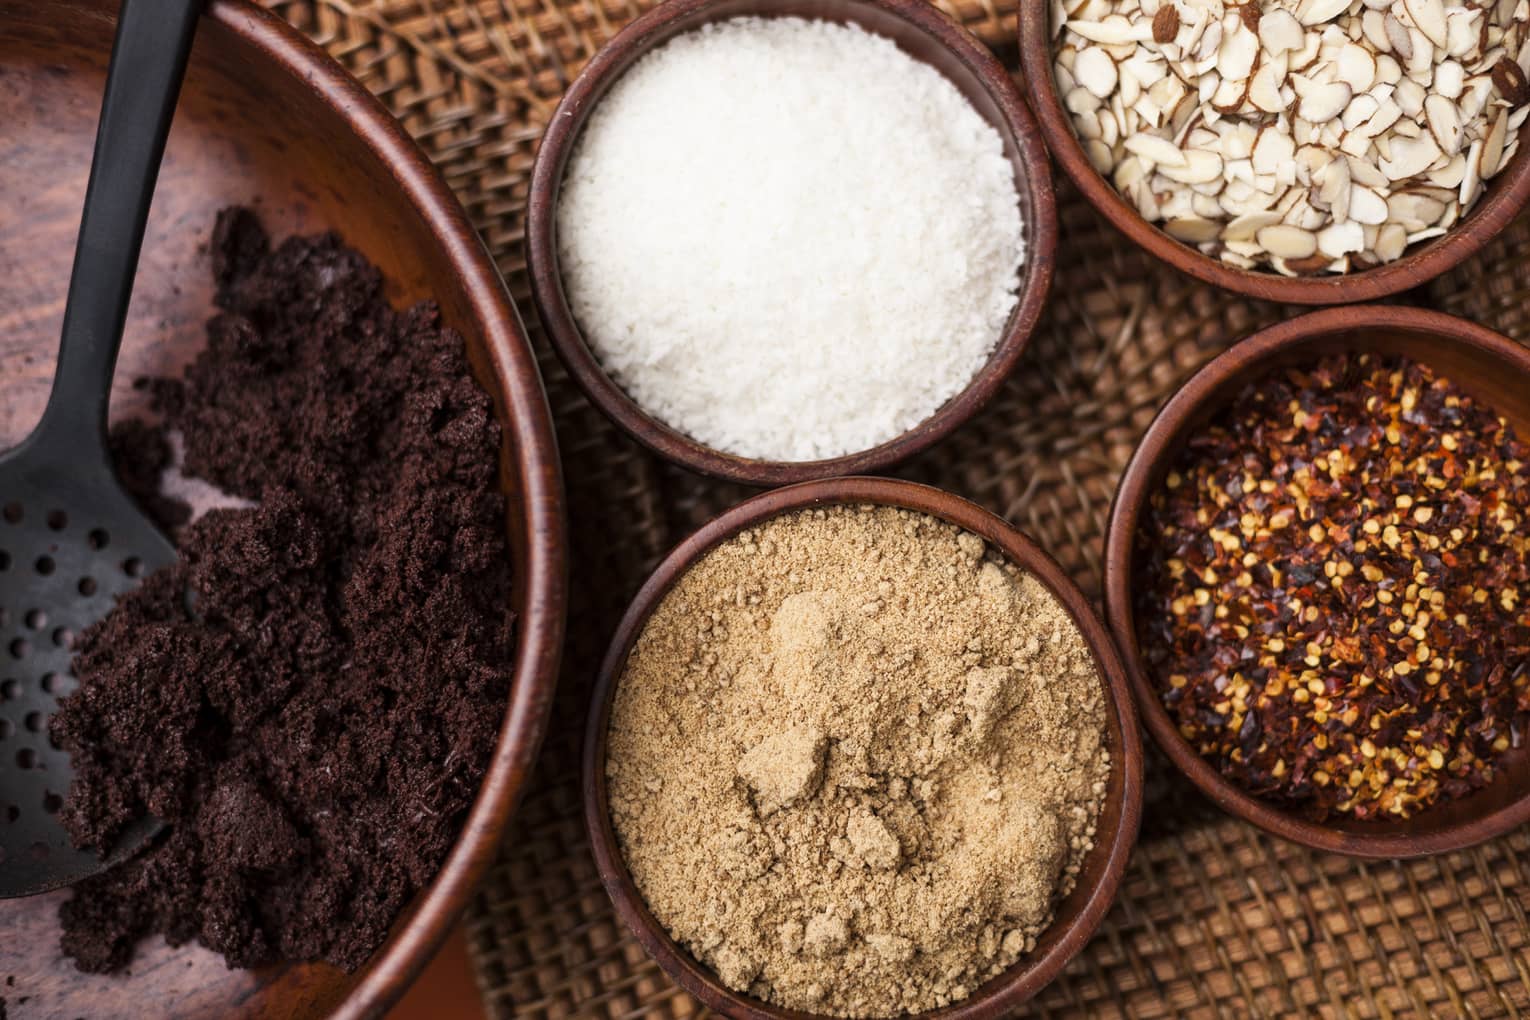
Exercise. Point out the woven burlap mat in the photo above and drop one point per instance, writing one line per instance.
(1214, 918)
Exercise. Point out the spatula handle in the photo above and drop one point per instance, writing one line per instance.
(148, 60)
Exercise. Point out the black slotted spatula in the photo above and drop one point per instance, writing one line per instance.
(71, 539)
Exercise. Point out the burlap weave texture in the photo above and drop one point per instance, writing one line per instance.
(1214, 919)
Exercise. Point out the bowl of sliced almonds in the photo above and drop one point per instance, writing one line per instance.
(1307, 151)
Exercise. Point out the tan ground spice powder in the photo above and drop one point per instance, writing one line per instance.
(855, 760)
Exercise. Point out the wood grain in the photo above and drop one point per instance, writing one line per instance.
(1077, 916)
(267, 120)
(1492, 368)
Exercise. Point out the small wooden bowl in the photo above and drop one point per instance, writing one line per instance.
(265, 119)
(1502, 200)
(1077, 916)
(921, 31)
(1492, 368)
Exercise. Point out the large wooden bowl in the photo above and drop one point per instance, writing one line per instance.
(1077, 916)
(1502, 199)
(922, 32)
(268, 120)
(1491, 368)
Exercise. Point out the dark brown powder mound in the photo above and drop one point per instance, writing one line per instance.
(142, 453)
(314, 734)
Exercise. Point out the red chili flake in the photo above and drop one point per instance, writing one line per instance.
(1336, 596)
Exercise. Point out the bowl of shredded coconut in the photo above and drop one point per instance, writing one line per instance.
(776, 240)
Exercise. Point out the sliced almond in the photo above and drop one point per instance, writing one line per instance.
(1410, 157)
(1365, 172)
(1128, 89)
(1200, 167)
(1374, 30)
(1316, 12)
(1355, 144)
(1096, 72)
(1166, 23)
(1193, 230)
(1359, 111)
(1287, 242)
(1429, 18)
(1336, 189)
(1474, 100)
(1413, 210)
(1367, 206)
(1462, 35)
(1356, 67)
(1510, 82)
(1129, 173)
(1444, 120)
(1303, 214)
(1271, 151)
(1421, 59)
(1100, 156)
(1409, 96)
(1397, 35)
(1450, 216)
(1451, 174)
(1206, 49)
(1280, 32)
(1387, 114)
(1245, 227)
(1112, 31)
(1449, 79)
(1080, 101)
(1471, 179)
(1388, 70)
(1155, 150)
(1391, 243)
(1230, 95)
(1323, 103)
(1491, 157)
(1312, 265)
(1236, 56)
(1341, 239)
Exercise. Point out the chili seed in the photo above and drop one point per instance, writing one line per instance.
(1333, 582)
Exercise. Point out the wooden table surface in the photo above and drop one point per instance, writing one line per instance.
(446, 990)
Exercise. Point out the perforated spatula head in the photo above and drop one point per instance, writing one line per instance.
(71, 539)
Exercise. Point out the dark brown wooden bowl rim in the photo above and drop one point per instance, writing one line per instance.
(1505, 196)
(1197, 397)
(540, 628)
(1002, 993)
(552, 304)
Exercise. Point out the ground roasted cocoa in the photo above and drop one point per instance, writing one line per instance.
(855, 760)
(313, 729)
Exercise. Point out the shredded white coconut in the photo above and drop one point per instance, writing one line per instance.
(789, 239)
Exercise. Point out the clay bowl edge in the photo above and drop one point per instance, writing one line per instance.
(1485, 364)
(534, 454)
(1501, 202)
(1077, 916)
(920, 30)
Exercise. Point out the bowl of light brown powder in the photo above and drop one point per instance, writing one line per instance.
(861, 749)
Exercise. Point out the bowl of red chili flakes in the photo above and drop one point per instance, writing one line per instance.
(1318, 568)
